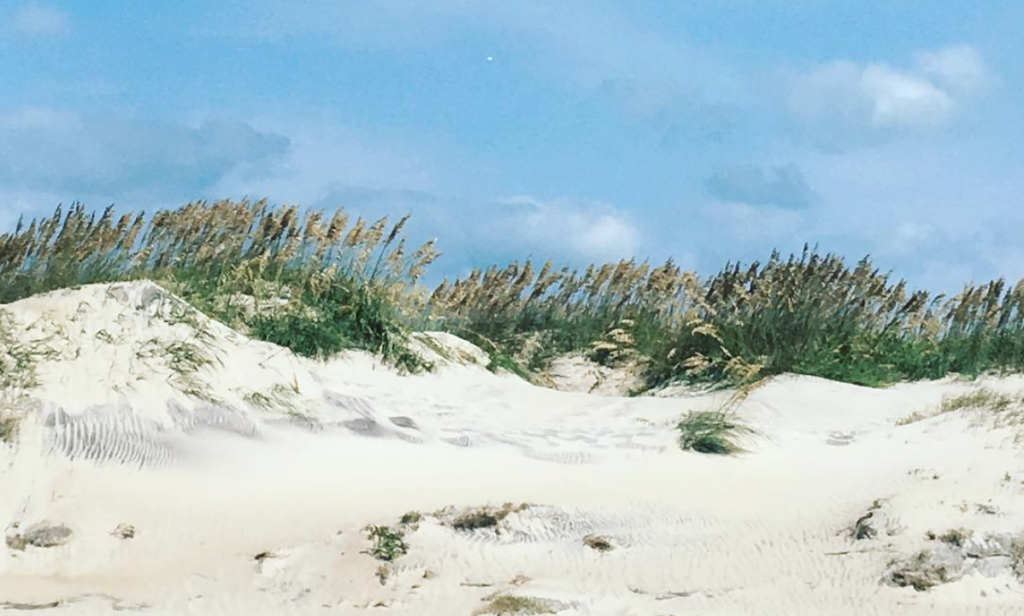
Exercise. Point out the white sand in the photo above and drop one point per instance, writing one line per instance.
(109, 437)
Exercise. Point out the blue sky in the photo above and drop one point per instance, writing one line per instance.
(578, 130)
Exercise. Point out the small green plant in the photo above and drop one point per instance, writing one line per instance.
(1017, 556)
(388, 544)
(921, 572)
(512, 605)
(956, 537)
(709, 432)
(599, 543)
(486, 517)
(8, 427)
(411, 517)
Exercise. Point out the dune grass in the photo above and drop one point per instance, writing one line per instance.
(318, 283)
(1007, 410)
(514, 605)
(313, 283)
(709, 432)
(809, 314)
(17, 374)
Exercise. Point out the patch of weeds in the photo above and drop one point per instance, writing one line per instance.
(258, 400)
(920, 573)
(512, 605)
(8, 427)
(596, 542)
(863, 529)
(980, 399)
(17, 374)
(181, 313)
(279, 397)
(411, 517)
(435, 346)
(105, 337)
(956, 537)
(1017, 556)
(17, 361)
(184, 357)
(486, 517)
(476, 520)
(914, 417)
(408, 362)
(388, 544)
(498, 361)
(709, 432)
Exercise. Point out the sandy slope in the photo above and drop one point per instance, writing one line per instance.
(269, 454)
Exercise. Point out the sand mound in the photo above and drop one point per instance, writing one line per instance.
(166, 464)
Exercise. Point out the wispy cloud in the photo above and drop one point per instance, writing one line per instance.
(588, 230)
(40, 20)
(488, 231)
(844, 100)
(110, 156)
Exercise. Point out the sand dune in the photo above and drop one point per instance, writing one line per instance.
(248, 477)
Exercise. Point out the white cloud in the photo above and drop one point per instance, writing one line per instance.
(472, 233)
(40, 20)
(756, 223)
(901, 100)
(840, 98)
(959, 69)
(596, 231)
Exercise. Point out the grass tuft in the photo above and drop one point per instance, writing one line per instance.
(512, 605)
(709, 432)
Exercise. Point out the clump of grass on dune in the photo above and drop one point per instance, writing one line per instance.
(530, 315)
(514, 605)
(1004, 408)
(709, 432)
(313, 283)
(17, 374)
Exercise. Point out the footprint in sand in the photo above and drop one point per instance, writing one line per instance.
(840, 438)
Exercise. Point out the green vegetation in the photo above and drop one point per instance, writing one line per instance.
(312, 284)
(17, 374)
(956, 537)
(1007, 410)
(1017, 556)
(808, 314)
(511, 605)
(317, 284)
(599, 543)
(486, 517)
(388, 544)
(709, 432)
